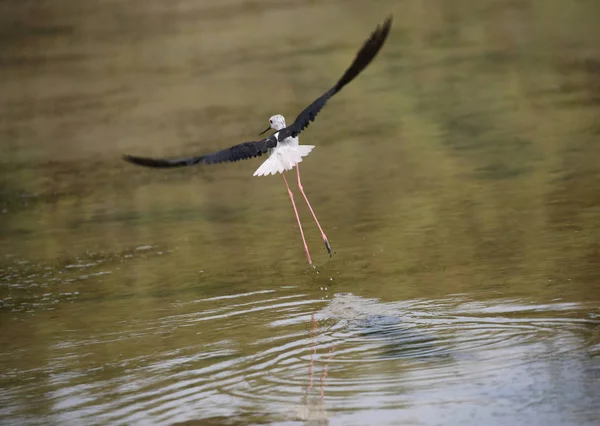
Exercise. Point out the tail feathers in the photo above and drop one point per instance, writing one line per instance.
(283, 159)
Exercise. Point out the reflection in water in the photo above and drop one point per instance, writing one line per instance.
(313, 411)
(461, 181)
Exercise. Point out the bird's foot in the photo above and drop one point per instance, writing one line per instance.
(327, 246)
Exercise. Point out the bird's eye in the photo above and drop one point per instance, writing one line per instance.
(271, 121)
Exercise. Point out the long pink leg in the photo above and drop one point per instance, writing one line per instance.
(298, 218)
(325, 240)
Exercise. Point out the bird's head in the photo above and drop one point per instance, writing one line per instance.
(276, 122)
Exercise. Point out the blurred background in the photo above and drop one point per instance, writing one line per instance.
(457, 179)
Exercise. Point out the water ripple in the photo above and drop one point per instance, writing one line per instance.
(311, 355)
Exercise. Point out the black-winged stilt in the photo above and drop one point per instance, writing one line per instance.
(282, 146)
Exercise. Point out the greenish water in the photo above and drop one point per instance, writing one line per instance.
(457, 180)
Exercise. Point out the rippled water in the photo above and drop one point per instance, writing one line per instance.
(457, 180)
(283, 355)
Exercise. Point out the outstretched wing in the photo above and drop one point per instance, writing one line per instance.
(239, 152)
(363, 58)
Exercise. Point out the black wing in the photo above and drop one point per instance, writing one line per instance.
(363, 58)
(242, 151)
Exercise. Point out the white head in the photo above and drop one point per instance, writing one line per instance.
(276, 122)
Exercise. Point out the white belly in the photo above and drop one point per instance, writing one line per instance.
(283, 157)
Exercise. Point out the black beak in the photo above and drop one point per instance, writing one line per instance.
(265, 131)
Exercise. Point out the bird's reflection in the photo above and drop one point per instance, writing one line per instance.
(312, 410)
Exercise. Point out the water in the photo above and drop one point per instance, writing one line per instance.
(457, 180)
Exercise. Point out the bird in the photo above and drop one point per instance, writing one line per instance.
(282, 146)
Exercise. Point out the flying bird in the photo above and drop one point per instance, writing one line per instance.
(283, 148)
